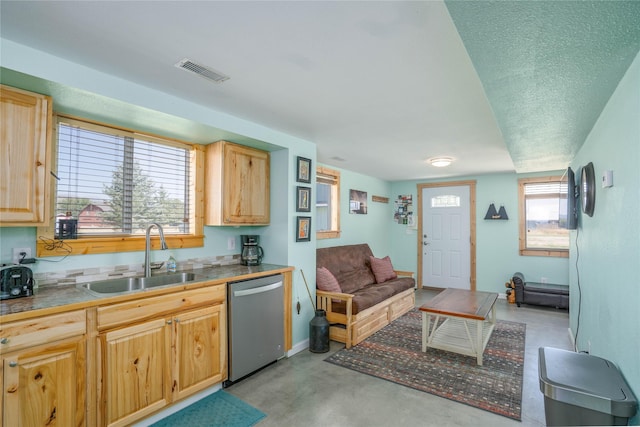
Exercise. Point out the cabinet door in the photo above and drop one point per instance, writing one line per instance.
(45, 386)
(135, 371)
(246, 185)
(237, 185)
(26, 157)
(201, 352)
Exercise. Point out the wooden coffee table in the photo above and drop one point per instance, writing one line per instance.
(469, 319)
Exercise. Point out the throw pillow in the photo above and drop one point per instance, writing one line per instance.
(325, 281)
(382, 269)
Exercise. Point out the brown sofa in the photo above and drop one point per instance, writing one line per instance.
(363, 306)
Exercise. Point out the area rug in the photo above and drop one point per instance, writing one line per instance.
(217, 409)
(394, 353)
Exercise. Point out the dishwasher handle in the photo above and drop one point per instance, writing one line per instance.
(259, 290)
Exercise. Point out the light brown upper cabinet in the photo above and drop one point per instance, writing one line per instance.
(237, 185)
(25, 163)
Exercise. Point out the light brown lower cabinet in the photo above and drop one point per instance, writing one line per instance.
(43, 371)
(150, 364)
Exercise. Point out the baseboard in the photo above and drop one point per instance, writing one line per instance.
(297, 348)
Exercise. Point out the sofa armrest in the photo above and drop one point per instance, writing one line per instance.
(404, 273)
(324, 301)
(334, 295)
(518, 281)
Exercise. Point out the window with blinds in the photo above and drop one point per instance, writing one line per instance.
(327, 203)
(543, 203)
(115, 182)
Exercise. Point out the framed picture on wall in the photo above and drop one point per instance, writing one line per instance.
(303, 229)
(303, 199)
(303, 170)
(357, 202)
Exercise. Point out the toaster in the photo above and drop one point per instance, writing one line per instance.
(16, 281)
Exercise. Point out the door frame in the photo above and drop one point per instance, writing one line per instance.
(472, 225)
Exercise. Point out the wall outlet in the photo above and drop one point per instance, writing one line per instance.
(231, 243)
(16, 254)
(544, 280)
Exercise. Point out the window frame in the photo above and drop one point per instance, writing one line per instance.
(524, 250)
(334, 176)
(47, 245)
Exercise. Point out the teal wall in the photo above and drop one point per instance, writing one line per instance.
(608, 244)
(497, 251)
(372, 228)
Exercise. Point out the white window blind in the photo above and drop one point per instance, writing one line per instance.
(545, 202)
(116, 182)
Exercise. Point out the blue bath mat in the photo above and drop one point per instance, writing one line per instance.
(217, 409)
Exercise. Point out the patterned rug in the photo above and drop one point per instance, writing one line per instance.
(217, 409)
(394, 353)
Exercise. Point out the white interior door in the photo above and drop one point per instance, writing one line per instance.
(446, 237)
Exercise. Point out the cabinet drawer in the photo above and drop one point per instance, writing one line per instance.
(125, 313)
(27, 333)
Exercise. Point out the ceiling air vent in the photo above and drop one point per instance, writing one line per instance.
(202, 71)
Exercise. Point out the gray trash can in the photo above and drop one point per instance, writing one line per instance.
(583, 390)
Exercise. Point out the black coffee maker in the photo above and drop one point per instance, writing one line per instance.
(252, 252)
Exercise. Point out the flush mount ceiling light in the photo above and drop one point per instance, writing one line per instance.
(440, 162)
(202, 71)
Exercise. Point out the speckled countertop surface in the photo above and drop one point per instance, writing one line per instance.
(72, 297)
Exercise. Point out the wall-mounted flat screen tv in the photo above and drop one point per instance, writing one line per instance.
(568, 201)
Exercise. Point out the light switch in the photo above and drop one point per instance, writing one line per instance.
(607, 179)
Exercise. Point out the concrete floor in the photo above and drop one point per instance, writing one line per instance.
(303, 390)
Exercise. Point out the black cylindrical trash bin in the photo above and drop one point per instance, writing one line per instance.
(583, 390)
(319, 333)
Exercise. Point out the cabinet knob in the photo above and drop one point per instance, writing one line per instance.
(169, 322)
(4, 341)
(176, 320)
(13, 363)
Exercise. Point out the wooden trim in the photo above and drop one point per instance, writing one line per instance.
(92, 368)
(288, 300)
(472, 226)
(334, 233)
(327, 235)
(103, 245)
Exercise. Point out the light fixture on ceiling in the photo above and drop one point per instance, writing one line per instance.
(440, 162)
(201, 70)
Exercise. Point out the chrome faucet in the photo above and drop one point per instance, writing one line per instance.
(147, 247)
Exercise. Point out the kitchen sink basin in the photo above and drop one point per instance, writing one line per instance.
(130, 284)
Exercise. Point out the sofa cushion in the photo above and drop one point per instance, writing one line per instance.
(382, 269)
(325, 281)
(349, 264)
(351, 281)
(375, 293)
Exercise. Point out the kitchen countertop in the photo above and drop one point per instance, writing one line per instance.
(53, 299)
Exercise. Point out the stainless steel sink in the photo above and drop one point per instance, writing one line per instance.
(130, 284)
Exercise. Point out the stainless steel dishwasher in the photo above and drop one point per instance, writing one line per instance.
(256, 325)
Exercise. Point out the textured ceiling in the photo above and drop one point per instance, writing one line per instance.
(548, 68)
(378, 86)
